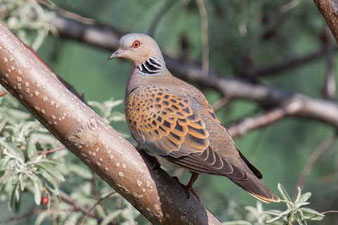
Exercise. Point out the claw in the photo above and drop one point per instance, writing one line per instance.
(188, 188)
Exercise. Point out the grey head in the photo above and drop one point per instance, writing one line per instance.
(143, 51)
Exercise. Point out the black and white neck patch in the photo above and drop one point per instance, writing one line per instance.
(151, 66)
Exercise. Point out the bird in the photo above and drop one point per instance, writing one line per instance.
(174, 120)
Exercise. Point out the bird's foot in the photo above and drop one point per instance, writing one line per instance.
(188, 188)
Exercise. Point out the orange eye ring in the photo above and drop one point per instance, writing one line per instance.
(136, 44)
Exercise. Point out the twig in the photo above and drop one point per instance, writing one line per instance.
(221, 103)
(96, 204)
(50, 151)
(51, 6)
(95, 192)
(286, 64)
(329, 88)
(204, 35)
(289, 6)
(330, 211)
(159, 16)
(76, 206)
(322, 148)
(18, 218)
(3, 93)
(80, 208)
(260, 121)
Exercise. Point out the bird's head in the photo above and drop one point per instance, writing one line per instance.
(137, 48)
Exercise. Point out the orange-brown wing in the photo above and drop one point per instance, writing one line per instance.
(165, 122)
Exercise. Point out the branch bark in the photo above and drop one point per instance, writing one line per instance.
(259, 121)
(157, 196)
(329, 10)
(107, 37)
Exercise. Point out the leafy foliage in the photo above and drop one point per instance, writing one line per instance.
(27, 17)
(106, 110)
(23, 158)
(295, 212)
(33, 161)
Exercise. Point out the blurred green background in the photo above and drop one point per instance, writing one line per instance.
(243, 35)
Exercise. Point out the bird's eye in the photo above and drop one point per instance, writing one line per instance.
(136, 44)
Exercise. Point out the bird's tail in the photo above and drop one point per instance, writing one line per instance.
(257, 189)
(253, 184)
(248, 177)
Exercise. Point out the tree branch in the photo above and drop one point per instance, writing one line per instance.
(329, 88)
(159, 16)
(204, 34)
(96, 204)
(107, 37)
(329, 10)
(316, 154)
(277, 68)
(259, 121)
(77, 206)
(3, 93)
(157, 196)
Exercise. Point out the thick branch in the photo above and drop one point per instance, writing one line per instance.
(158, 197)
(107, 38)
(329, 10)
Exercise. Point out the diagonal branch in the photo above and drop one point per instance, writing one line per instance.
(157, 196)
(320, 151)
(107, 37)
(260, 121)
(329, 10)
(294, 62)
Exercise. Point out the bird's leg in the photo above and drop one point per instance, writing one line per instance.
(188, 188)
(154, 162)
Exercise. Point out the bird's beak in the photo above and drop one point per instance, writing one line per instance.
(118, 53)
